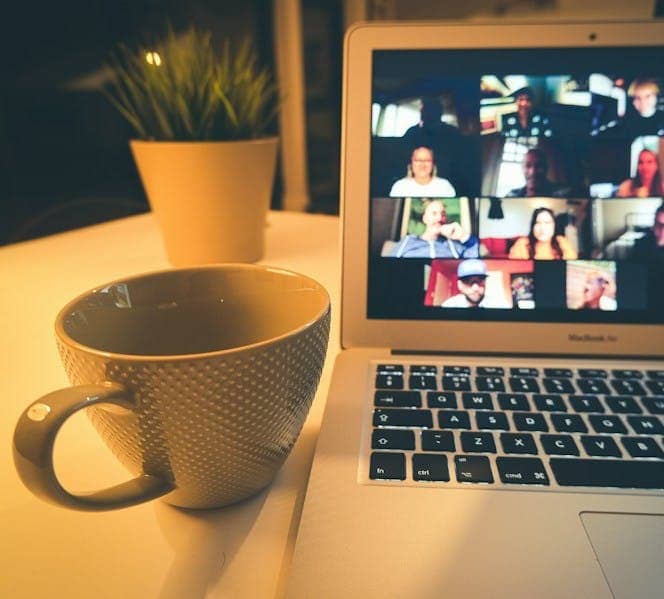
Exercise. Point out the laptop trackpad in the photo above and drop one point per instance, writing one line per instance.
(629, 548)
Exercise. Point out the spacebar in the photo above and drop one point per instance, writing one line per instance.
(632, 474)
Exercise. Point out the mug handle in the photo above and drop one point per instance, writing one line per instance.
(34, 439)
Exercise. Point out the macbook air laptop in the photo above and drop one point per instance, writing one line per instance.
(495, 422)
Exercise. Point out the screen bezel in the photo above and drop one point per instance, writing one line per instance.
(461, 336)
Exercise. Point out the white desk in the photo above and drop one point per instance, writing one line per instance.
(152, 550)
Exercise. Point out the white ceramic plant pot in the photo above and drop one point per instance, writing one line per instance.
(209, 198)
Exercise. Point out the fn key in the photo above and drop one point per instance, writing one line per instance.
(387, 466)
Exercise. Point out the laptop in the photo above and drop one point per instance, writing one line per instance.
(495, 421)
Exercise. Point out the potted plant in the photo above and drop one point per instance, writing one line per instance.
(200, 116)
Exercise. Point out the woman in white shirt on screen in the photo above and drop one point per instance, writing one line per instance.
(421, 180)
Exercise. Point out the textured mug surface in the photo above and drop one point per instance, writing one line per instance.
(217, 410)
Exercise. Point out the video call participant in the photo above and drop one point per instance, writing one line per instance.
(431, 131)
(649, 250)
(455, 153)
(650, 247)
(648, 181)
(440, 239)
(594, 293)
(535, 167)
(645, 119)
(525, 122)
(421, 180)
(471, 283)
(542, 243)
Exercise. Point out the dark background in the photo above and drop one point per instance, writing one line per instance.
(64, 154)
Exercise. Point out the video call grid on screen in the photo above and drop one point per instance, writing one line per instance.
(530, 189)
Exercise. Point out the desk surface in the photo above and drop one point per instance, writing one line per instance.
(152, 550)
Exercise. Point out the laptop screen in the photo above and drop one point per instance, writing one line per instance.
(517, 185)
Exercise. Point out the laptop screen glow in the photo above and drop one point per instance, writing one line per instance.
(524, 183)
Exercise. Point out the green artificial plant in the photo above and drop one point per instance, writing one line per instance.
(183, 89)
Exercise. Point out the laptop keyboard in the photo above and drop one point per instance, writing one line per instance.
(516, 427)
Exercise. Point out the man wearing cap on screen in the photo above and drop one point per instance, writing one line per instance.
(471, 282)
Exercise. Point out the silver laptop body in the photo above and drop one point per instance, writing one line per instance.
(478, 519)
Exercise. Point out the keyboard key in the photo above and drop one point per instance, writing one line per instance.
(627, 374)
(387, 466)
(423, 369)
(453, 419)
(492, 421)
(398, 399)
(656, 387)
(489, 383)
(654, 405)
(625, 474)
(473, 469)
(441, 399)
(586, 403)
(593, 386)
(513, 401)
(549, 403)
(657, 375)
(402, 417)
(530, 422)
(422, 381)
(642, 447)
(524, 385)
(559, 373)
(389, 368)
(646, 425)
(456, 383)
(477, 401)
(463, 370)
(430, 467)
(628, 387)
(622, 404)
(559, 444)
(568, 423)
(528, 372)
(387, 438)
(593, 373)
(438, 441)
(389, 381)
(558, 385)
(491, 371)
(518, 443)
(607, 424)
(522, 471)
(472, 442)
(600, 445)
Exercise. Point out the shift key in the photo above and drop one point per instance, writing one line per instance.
(403, 417)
